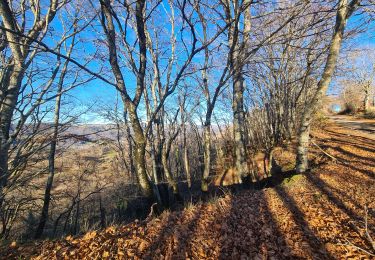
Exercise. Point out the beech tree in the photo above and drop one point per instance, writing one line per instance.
(14, 26)
(201, 87)
(281, 79)
(233, 12)
(139, 15)
(344, 10)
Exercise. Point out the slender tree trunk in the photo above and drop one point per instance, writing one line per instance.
(186, 162)
(366, 99)
(268, 158)
(139, 150)
(154, 165)
(168, 174)
(159, 170)
(102, 212)
(238, 56)
(131, 104)
(186, 150)
(343, 13)
(3, 170)
(238, 126)
(303, 145)
(7, 107)
(52, 152)
(130, 143)
(140, 165)
(76, 219)
(206, 152)
(51, 168)
(139, 154)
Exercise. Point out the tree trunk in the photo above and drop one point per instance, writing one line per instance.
(51, 168)
(139, 152)
(76, 219)
(366, 99)
(3, 170)
(159, 170)
(343, 13)
(168, 175)
(206, 154)
(131, 104)
(154, 165)
(102, 213)
(186, 163)
(302, 163)
(238, 126)
(7, 107)
(186, 151)
(140, 165)
(237, 62)
(130, 143)
(52, 152)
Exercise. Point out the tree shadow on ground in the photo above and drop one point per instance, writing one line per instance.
(363, 140)
(250, 230)
(174, 236)
(367, 173)
(320, 185)
(354, 155)
(246, 227)
(367, 162)
(344, 194)
(346, 142)
(315, 247)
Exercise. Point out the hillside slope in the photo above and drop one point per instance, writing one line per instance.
(319, 215)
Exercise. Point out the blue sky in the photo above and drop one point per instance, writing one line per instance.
(98, 93)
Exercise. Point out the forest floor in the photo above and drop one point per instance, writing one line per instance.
(328, 213)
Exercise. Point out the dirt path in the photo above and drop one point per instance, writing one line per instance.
(366, 127)
(318, 215)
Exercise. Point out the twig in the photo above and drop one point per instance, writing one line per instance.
(368, 237)
(329, 155)
(348, 243)
(366, 230)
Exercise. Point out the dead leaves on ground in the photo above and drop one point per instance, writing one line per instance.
(321, 216)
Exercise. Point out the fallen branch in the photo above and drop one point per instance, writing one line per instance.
(321, 149)
(348, 243)
(369, 238)
(366, 237)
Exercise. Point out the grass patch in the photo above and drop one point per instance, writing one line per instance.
(293, 179)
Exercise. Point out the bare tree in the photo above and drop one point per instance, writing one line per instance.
(344, 11)
(140, 15)
(234, 11)
(22, 55)
(211, 89)
(357, 85)
(281, 80)
(55, 131)
(184, 120)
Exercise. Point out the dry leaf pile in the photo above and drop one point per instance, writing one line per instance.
(319, 215)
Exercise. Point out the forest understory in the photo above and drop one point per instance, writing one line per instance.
(327, 213)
